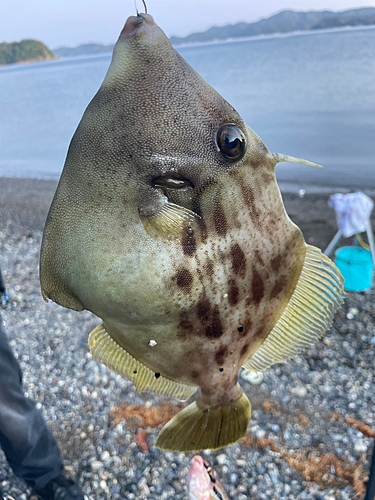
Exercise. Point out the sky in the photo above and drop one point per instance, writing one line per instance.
(73, 22)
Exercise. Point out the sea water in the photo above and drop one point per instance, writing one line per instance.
(308, 94)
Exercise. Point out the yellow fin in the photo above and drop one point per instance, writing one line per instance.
(170, 222)
(105, 350)
(318, 294)
(194, 428)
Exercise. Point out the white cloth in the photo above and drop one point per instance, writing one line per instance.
(353, 212)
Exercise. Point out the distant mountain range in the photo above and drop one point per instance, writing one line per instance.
(285, 21)
(83, 50)
(24, 51)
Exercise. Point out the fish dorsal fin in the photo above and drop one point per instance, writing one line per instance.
(279, 157)
(106, 350)
(170, 222)
(318, 294)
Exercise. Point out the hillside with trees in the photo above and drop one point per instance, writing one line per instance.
(24, 51)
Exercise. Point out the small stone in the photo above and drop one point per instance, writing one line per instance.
(260, 433)
(96, 465)
(221, 459)
(360, 446)
(233, 478)
(105, 456)
(143, 487)
(299, 391)
(287, 489)
(152, 343)
(103, 484)
(241, 463)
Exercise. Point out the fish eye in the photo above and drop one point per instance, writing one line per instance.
(230, 141)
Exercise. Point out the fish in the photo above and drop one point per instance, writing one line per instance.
(203, 482)
(168, 224)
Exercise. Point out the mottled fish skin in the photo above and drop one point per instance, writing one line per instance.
(203, 482)
(159, 234)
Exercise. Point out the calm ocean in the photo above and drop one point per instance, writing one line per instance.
(310, 95)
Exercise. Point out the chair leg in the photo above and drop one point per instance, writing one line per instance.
(333, 243)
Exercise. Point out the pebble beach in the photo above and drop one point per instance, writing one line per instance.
(313, 420)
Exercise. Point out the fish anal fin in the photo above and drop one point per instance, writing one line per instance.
(195, 429)
(318, 294)
(170, 222)
(107, 351)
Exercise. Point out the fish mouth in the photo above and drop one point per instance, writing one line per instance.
(134, 23)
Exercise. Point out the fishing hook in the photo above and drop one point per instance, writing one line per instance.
(144, 4)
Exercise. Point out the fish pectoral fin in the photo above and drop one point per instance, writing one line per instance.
(107, 351)
(195, 428)
(318, 294)
(170, 222)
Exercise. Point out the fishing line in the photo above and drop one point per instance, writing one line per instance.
(136, 9)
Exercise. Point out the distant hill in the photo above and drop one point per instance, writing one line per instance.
(24, 51)
(284, 22)
(83, 50)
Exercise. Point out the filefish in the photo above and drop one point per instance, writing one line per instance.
(203, 482)
(168, 224)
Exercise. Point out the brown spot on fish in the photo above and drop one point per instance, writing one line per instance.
(256, 162)
(203, 229)
(267, 177)
(257, 286)
(244, 350)
(247, 193)
(184, 279)
(185, 326)
(221, 354)
(203, 308)
(260, 332)
(208, 267)
(189, 245)
(278, 287)
(215, 329)
(238, 260)
(233, 292)
(276, 262)
(259, 257)
(249, 199)
(220, 220)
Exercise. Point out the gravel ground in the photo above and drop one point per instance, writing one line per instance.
(313, 420)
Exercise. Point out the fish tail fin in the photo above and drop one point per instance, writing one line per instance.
(195, 428)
